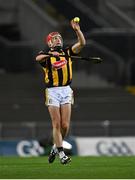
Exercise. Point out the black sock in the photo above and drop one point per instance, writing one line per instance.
(60, 149)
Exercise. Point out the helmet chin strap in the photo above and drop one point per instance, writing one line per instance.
(57, 48)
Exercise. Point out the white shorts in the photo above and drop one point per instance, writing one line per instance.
(57, 96)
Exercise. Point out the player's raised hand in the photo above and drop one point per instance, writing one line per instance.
(75, 23)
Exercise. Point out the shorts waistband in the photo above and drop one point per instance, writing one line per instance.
(58, 87)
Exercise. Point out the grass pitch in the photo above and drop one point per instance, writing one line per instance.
(79, 168)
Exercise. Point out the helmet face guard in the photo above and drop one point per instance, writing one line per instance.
(54, 39)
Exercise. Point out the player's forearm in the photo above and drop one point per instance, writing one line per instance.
(76, 48)
(42, 57)
(81, 38)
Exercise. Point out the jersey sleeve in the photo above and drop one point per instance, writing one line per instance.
(71, 52)
(41, 52)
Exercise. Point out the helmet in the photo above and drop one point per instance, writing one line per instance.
(50, 37)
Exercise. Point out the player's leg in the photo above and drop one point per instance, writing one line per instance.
(56, 124)
(52, 102)
(57, 136)
(65, 110)
(65, 122)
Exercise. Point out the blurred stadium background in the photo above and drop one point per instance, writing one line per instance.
(104, 93)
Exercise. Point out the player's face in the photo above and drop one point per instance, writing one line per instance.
(56, 41)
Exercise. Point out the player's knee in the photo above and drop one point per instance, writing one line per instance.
(65, 126)
(56, 125)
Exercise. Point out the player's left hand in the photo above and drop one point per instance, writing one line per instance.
(54, 53)
(75, 25)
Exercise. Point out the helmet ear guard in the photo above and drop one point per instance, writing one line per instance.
(51, 36)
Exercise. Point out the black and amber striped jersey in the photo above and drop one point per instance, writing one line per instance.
(58, 70)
